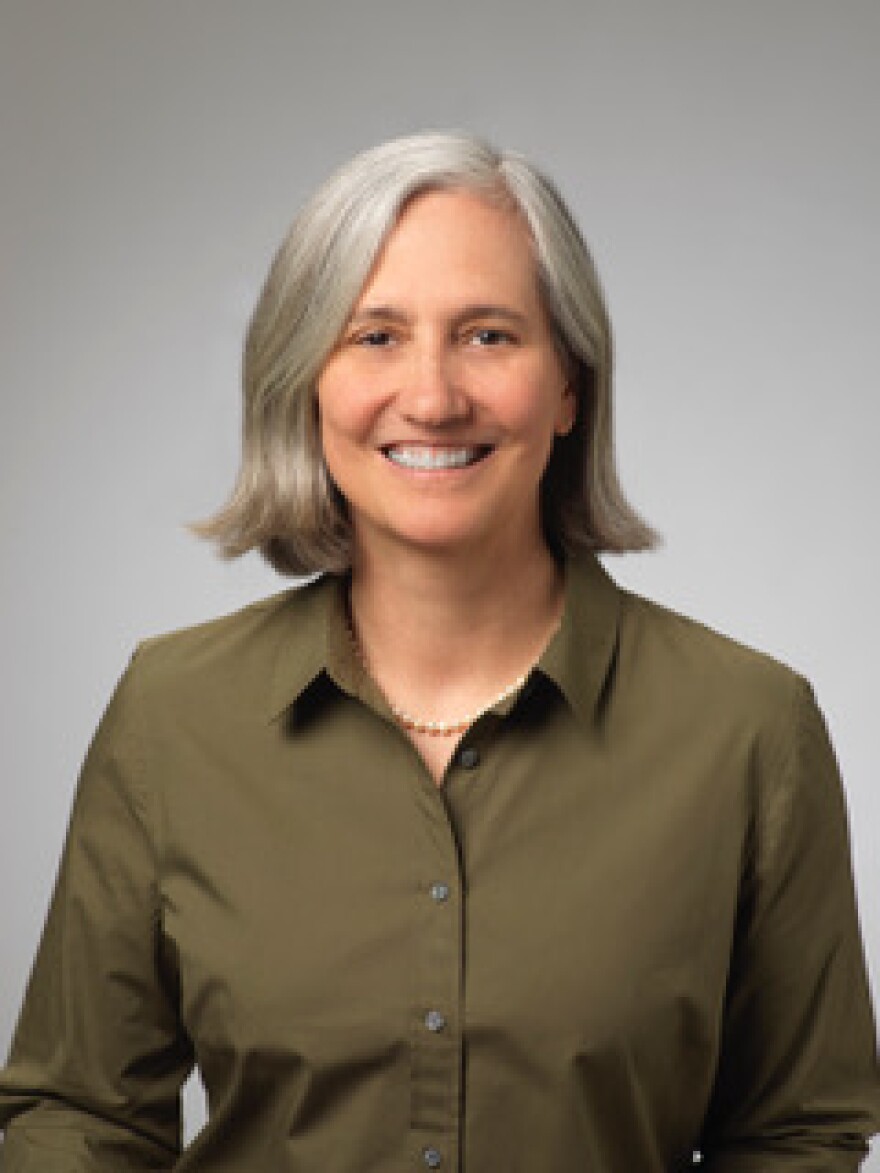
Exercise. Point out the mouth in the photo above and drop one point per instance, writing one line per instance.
(429, 459)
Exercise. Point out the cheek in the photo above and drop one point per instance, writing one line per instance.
(541, 403)
(351, 393)
(537, 411)
(331, 429)
(341, 412)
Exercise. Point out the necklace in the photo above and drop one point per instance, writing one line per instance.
(447, 728)
(438, 728)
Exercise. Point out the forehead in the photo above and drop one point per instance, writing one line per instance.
(448, 238)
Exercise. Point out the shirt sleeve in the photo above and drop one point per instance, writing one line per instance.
(797, 1085)
(93, 1079)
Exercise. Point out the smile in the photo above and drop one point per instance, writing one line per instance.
(435, 458)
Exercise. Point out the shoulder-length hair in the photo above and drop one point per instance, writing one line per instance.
(284, 502)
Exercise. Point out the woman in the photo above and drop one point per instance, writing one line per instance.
(459, 856)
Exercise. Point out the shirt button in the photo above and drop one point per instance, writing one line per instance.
(439, 892)
(434, 1020)
(469, 758)
(432, 1158)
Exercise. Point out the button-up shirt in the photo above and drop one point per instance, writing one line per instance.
(621, 931)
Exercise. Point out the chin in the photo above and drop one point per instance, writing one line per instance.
(439, 537)
(441, 531)
(443, 542)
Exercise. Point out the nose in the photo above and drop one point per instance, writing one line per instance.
(433, 393)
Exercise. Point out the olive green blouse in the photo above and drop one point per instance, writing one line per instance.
(623, 930)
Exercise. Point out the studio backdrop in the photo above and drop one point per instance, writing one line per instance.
(722, 159)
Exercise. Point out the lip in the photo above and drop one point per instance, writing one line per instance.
(435, 458)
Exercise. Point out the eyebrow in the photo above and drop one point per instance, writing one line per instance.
(390, 313)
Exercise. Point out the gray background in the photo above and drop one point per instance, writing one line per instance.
(723, 160)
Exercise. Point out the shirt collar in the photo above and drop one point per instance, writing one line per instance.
(580, 655)
(315, 640)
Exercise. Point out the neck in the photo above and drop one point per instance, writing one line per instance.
(443, 630)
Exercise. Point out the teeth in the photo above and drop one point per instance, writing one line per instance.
(430, 458)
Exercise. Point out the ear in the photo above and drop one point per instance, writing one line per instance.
(567, 411)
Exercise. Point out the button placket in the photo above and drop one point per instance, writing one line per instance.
(436, 1060)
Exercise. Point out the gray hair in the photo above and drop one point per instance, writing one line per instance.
(284, 502)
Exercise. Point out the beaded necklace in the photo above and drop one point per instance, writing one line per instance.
(438, 728)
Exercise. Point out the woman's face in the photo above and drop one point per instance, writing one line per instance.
(439, 405)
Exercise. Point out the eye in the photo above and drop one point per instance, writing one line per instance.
(490, 336)
(374, 339)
